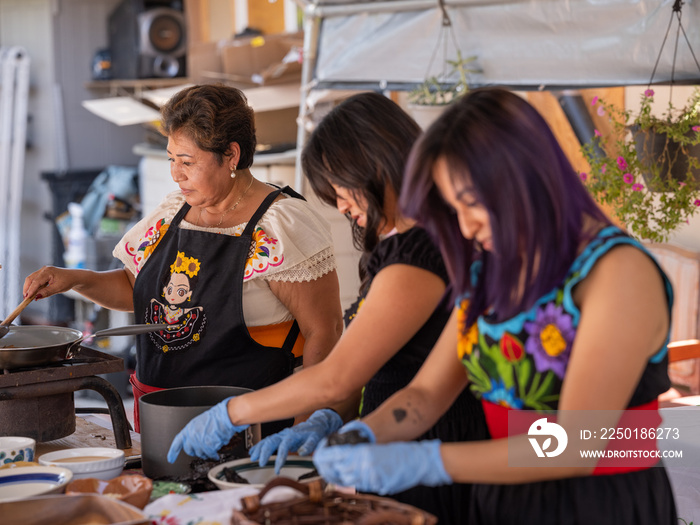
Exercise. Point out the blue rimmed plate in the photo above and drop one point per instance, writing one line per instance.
(26, 482)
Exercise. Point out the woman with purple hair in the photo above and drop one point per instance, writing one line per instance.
(560, 327)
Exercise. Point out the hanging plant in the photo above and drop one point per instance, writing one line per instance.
(453, 81)
(650, 172)
(440, 91)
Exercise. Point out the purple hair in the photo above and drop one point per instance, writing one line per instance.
(500, 148)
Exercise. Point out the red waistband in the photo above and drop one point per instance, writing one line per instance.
(497, 421)
(139, 389)
(144, 389)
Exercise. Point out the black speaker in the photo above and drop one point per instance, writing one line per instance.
(147, 39)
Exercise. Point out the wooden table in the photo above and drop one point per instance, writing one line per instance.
(89, 434)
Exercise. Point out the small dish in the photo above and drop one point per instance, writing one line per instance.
(16, 448)
(258, 476)
(26, 482)
(133, 489)
(91, 462)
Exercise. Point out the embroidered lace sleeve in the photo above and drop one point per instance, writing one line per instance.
(300, 236)
(139, 242)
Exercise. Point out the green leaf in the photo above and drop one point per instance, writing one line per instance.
(523, 369)
(478, 376)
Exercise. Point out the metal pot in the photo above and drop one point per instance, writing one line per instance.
(165, 412)
(26, 346)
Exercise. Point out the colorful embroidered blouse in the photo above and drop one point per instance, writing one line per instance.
(292, 243)
(520, 363)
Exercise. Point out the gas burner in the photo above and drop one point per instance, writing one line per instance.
(38, 402)
(88, 361)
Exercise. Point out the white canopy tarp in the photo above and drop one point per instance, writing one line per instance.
(525, 44)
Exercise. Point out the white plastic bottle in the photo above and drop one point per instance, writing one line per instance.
(75, 255)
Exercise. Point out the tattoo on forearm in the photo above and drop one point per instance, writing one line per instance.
(399, 414)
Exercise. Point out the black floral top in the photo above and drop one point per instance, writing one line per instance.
(520, 363)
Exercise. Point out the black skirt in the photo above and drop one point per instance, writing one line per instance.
(635, 498)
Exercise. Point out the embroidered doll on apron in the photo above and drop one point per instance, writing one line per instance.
(208, 342)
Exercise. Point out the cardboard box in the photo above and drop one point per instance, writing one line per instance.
(276, 128)
(276, 111)
(203, 62)
(263, 60)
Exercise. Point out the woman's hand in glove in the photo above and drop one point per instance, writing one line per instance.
(301, 438)
(382, 469)
(205, 434)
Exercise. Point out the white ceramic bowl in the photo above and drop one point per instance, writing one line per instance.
(16, 448)
(92, 462)
(256, 475)
(26, 482)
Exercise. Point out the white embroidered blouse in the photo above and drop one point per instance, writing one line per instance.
(292, 243)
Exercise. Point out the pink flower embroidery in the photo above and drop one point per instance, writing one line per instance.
(595, 99)
(649, 93)
(597, 133)
(681, 183)
(622, 163)
(697, 202)
(696, 128)
(601, 111)
(603, 169)
(637, 187)
(628, 178)
(583, 176)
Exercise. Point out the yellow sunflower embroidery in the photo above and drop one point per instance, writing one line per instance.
(466, 338)
(184, 264)
(466, 342)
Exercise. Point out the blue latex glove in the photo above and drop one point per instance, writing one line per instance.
(205, 434)
(302, 438)
(382, 469)
(359, 427)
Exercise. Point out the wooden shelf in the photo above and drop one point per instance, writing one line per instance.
(135, 85)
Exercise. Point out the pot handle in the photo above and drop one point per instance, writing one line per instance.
(130, 329)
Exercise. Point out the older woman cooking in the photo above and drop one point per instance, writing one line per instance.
(236, 267)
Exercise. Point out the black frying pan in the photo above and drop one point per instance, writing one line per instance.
(36, 345)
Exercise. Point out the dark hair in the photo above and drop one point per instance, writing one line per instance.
(213, 116)
(499, 147)
(362, 145)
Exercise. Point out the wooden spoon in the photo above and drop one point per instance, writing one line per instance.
(5, 325)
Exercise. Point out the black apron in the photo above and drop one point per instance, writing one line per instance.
(194, 282)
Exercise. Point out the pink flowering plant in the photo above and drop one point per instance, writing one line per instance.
(648, 168)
